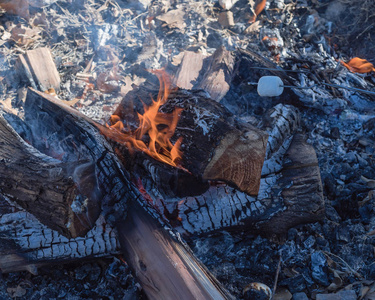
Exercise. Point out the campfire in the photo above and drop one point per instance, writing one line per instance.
(187, 150)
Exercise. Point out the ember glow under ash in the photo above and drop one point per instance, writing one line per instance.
(359, 65)
(158, 126)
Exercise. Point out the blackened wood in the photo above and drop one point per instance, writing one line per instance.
(215, 146)
(223, 206)
(299, 189)
(51, 118)
(166, 268)
(218, 76)
(81, 179)
(38, 69)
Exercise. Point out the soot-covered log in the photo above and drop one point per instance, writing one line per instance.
(215, 145)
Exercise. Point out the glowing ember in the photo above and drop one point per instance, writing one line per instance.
(159, 127)
(359, 65)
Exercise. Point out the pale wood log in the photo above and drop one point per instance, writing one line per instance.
(38, 69)
(226, 19)
(166, 268)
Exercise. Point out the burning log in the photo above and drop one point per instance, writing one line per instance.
(216, 145)
(281, 197)
(115, 191)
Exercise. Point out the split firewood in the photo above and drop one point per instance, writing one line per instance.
(116, 190)
(218, 76)
(226, 19)
(189, 69)
(212, 74)
(37, 68)
(216, 146)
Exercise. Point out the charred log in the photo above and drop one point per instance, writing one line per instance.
(26, 244)
(281, 196)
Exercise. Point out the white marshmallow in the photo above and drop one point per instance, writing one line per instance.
(270, 86)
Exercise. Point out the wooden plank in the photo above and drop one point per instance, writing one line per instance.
(38, 68)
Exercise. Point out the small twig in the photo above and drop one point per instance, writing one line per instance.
(276, 277)
(345, 263)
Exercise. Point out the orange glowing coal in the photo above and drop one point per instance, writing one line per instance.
(359, 65)
(158, 126)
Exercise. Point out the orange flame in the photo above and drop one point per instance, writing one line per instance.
(159, 127)
(359, 65)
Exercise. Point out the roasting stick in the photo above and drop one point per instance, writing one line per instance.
(162, 262)
(272, 86)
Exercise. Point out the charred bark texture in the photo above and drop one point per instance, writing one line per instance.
(25, 247)
(73, 136)
(26, 244)
(216, 146)
(281, 197)
(299, 189)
